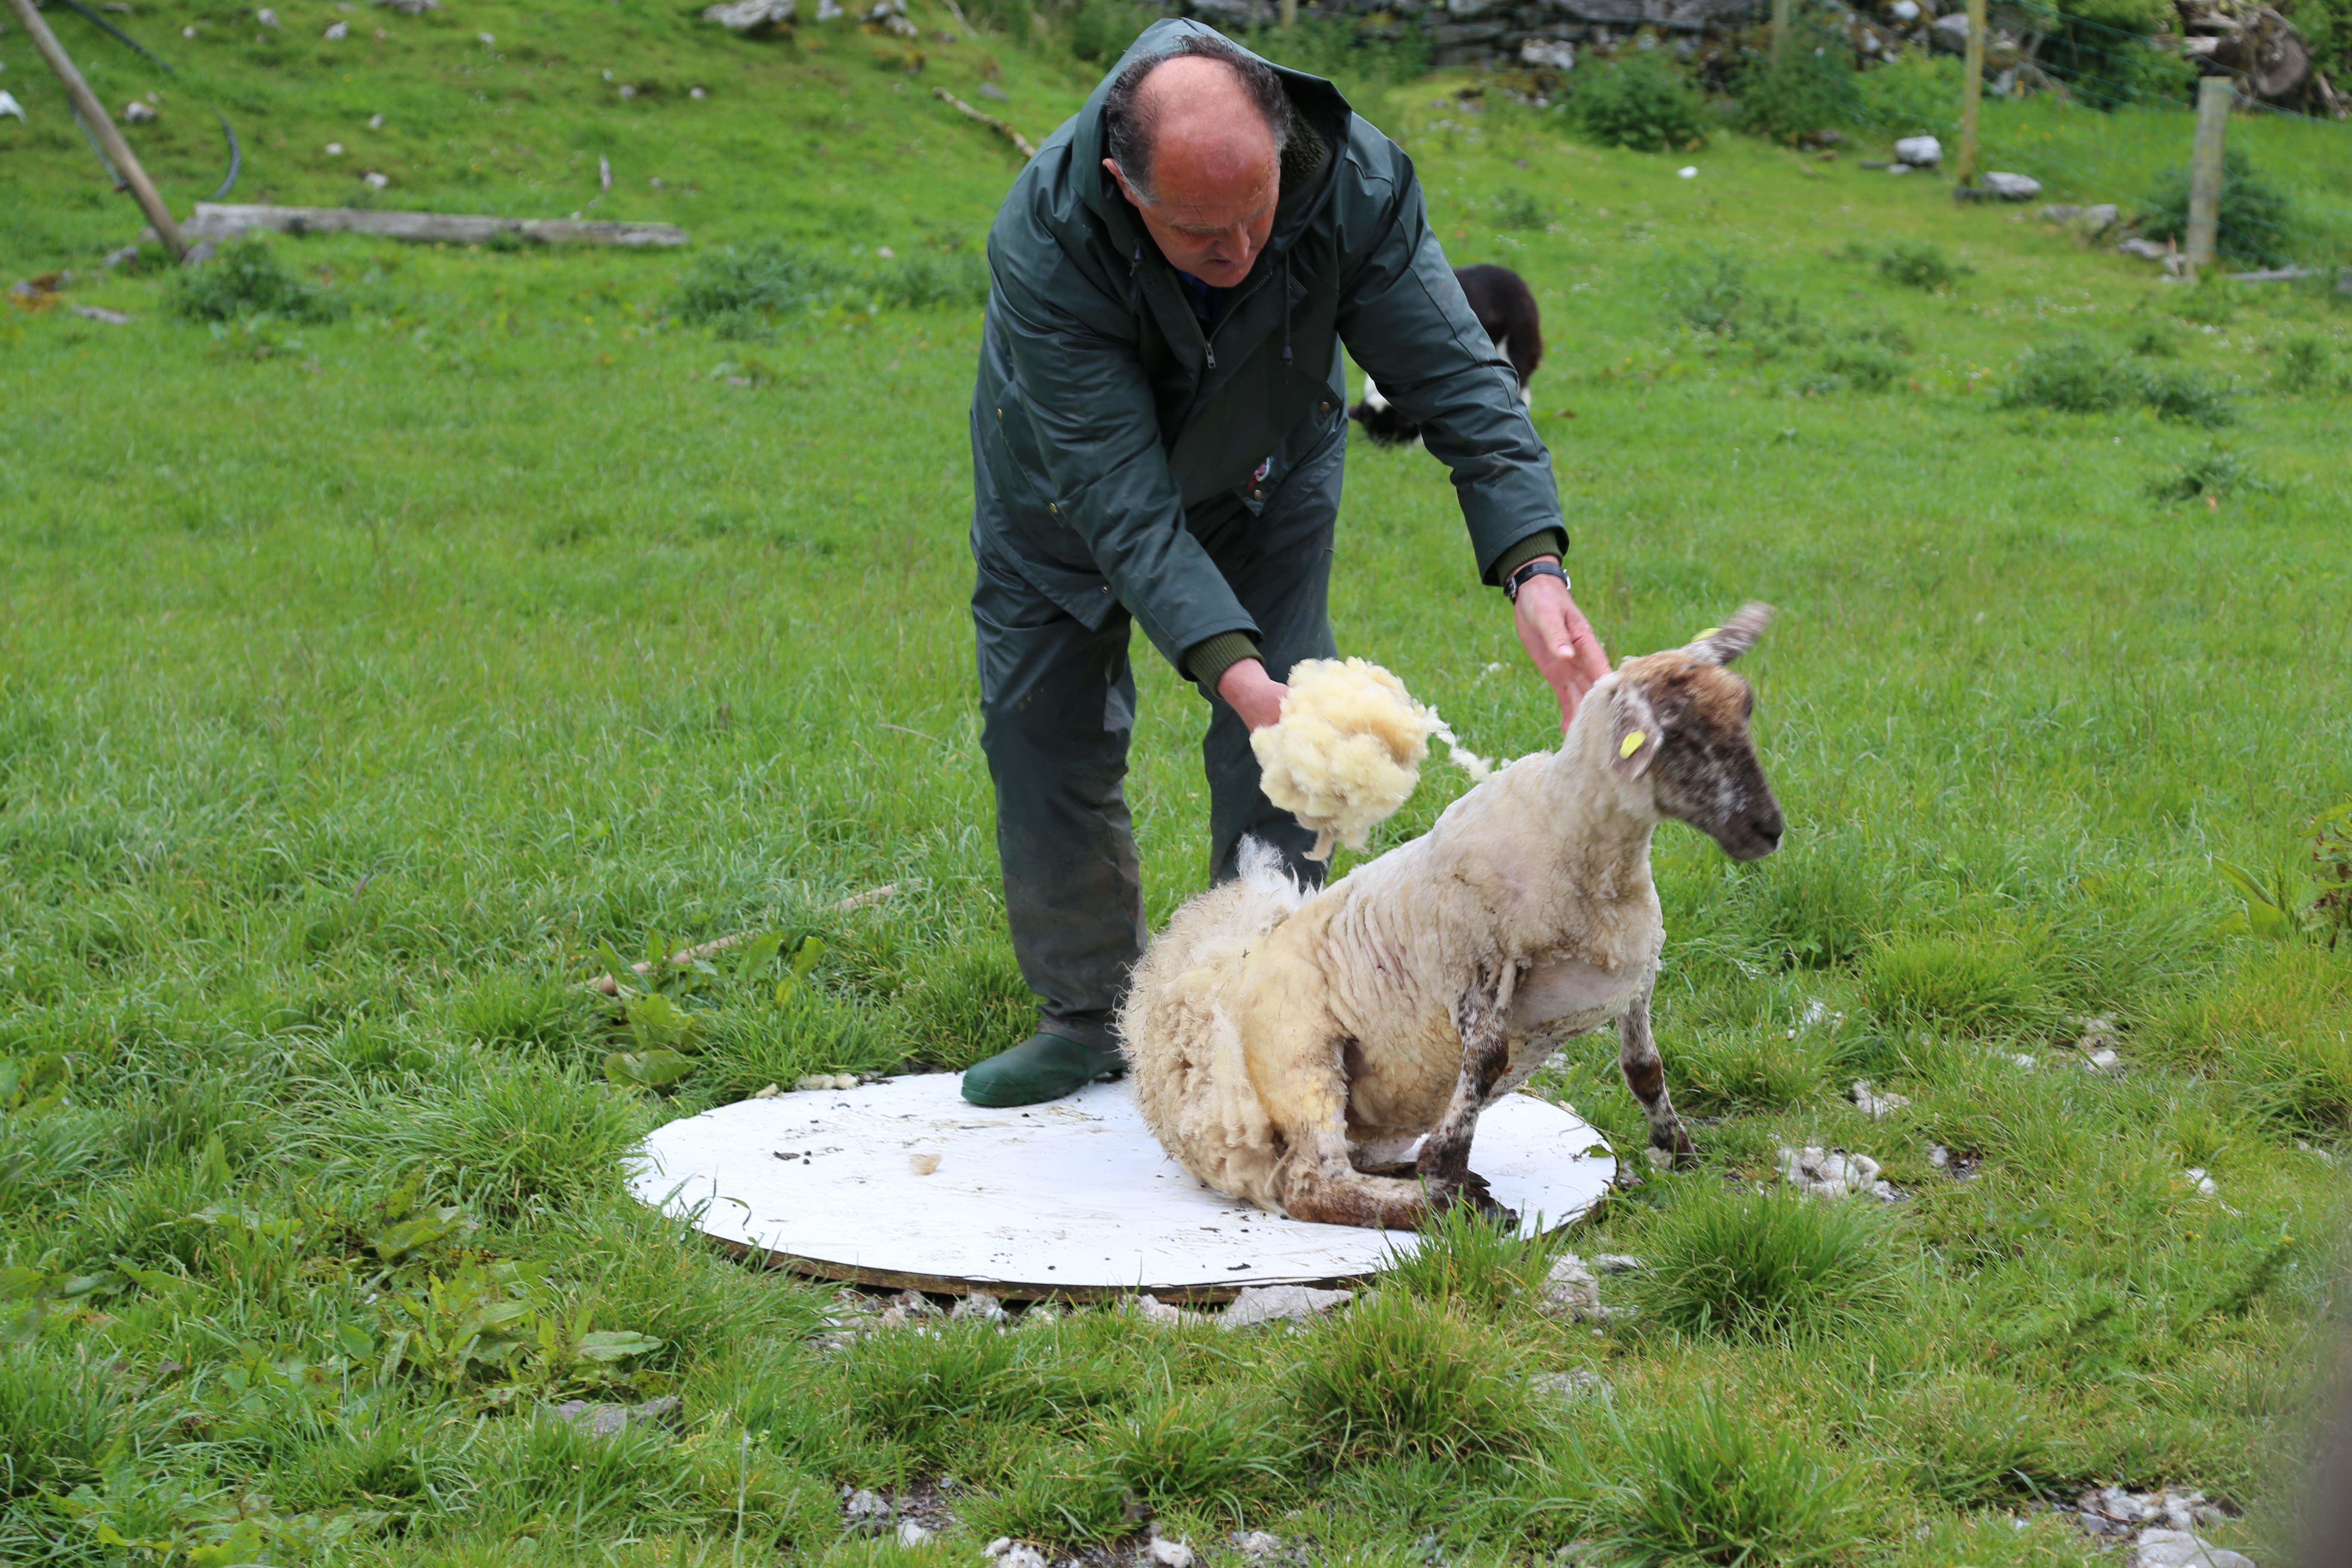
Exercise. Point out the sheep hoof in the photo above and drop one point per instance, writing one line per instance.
(1472, 1192)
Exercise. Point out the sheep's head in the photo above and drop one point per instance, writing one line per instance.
(1679, 718)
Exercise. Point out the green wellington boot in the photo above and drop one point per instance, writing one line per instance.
(1041, 1068)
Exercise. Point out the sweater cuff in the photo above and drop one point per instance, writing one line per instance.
(1207, 662)
(1550, 542)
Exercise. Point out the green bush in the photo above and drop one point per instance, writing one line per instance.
(2217, 471)
(1923, 265)
(1750, 1264)
(1640, 100)
(2305, 364)
(1369, 50)
(741, 289)
(2253, 225)
(1801, 93)
(2075, 375)
(246, 279)
(1099, 31)
(1709, 1486)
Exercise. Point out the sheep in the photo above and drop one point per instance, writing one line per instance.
(1327, 1056)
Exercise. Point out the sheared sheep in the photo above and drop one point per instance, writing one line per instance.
(1327, 1057)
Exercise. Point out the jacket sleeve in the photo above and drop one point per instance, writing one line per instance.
(1098, 465)
(1405, 320)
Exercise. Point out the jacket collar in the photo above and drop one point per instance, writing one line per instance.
(1304, 190)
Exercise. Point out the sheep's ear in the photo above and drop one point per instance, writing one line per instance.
(1721, 645)
(1633, 732)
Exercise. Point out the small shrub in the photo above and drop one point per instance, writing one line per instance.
(2304, 364)
(2075, 375)
(2154, 339)
(1401, 1375)
(1866, 366)
(1751, 1265)
(740, 291)
(2188, 396)
(1923, 265)
(922, 282)
(1641, 102)
(1100, 30)
(246, 279)
(1712, 297)
(1971, 985)
(2253, 223)
(1714, 1487)
(2216, 472)
(1801, 94)
(1516, 209)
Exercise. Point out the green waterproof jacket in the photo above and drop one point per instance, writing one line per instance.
(1104, 409)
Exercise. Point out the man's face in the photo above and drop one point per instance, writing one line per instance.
(1215, 175)
(1212, 229)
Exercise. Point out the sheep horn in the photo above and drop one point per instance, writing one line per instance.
(1721, 645)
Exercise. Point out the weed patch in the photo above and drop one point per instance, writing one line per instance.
(1404, 1375)
(2217, 471)
(1749, 1265)
(246, 279)
(1713, 1488)
(2076, 376)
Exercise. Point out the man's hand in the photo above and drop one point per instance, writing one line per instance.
(1561, 642)
(1256, 696)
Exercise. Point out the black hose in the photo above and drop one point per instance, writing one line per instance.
(236, 152)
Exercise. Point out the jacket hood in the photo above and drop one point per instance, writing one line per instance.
(1320, 121)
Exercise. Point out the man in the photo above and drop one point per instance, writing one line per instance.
(1158, 437)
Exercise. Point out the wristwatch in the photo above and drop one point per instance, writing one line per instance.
(1539, 567)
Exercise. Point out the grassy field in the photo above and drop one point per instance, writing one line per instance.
(361, 676)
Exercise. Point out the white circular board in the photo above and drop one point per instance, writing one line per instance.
(1071, 1198)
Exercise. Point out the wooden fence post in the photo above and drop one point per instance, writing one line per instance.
(2214, 97)
(101, 125)
(1289, 14)
(1780, 9)
(1964, 170)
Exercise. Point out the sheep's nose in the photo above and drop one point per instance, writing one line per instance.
(1769, 830)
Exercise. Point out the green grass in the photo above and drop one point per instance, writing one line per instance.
(363, 677)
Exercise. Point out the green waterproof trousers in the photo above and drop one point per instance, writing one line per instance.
(1057, 709)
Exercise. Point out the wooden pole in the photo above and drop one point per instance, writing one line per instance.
(2214, 97)
(1780, 9)
(1289, 14)
(1972, 93)
(101, 125)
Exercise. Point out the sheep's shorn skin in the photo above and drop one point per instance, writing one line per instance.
(1327, 1057)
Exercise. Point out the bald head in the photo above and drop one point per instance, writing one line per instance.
(1195, 140)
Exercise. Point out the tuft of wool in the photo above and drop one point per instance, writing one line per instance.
(1348, 749)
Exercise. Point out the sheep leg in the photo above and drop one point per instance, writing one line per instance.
(1445, 1162)
(1645, 1074)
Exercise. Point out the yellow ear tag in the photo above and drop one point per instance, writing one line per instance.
(1706, 634)
(1631, 743)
